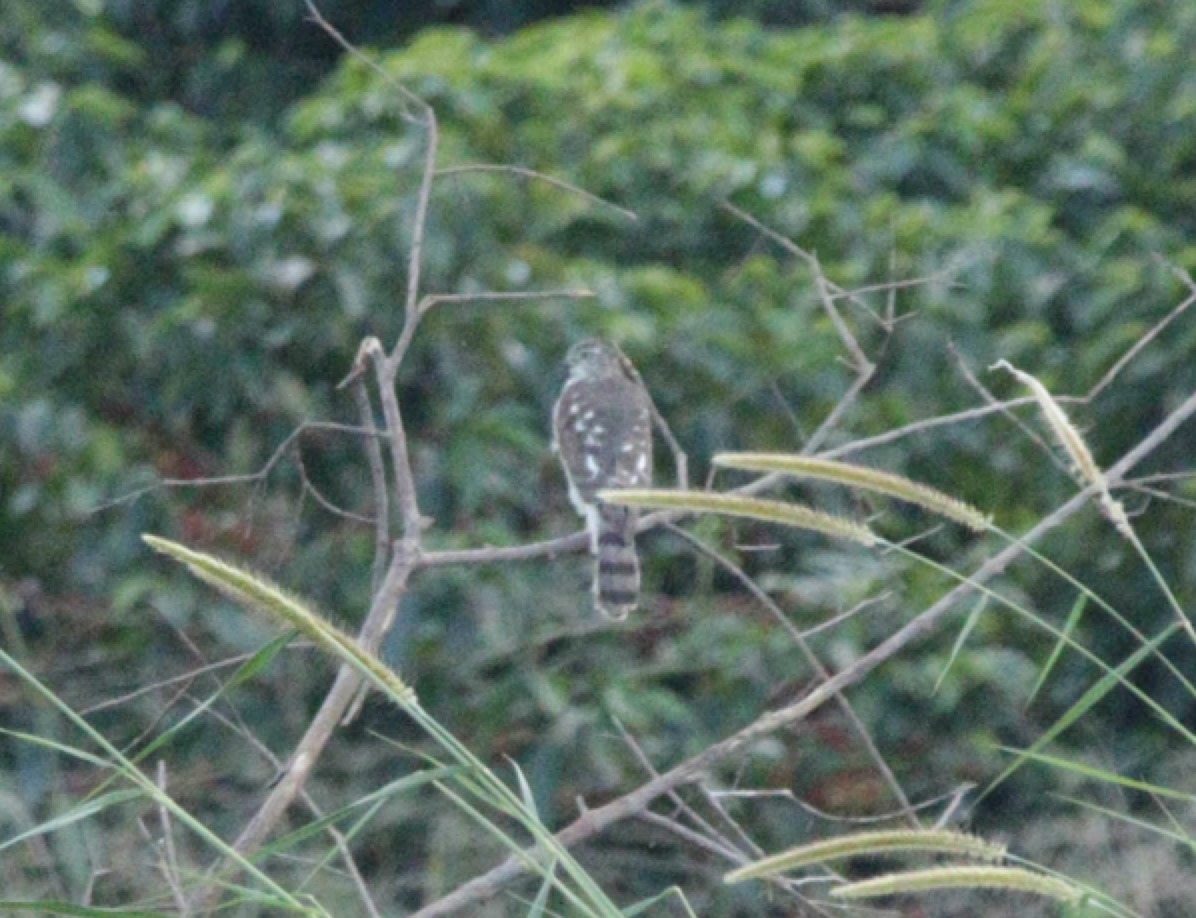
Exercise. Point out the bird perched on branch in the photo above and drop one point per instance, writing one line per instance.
(602, 426)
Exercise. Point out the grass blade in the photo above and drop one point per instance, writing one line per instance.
(973, 617)
(1073, 619)
(1087, 701)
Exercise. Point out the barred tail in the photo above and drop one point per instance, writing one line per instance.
(616, 566)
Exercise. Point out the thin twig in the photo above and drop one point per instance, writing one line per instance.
(163, 683)
(697, 839)
(808, 257)
(1138, 345)
(411, 98)
(908, 284)
(741, 833)
(433, 299)
(952, 797)
(539, 176)
(989, 398)
(849, 614)
(828, 292)
(426, 303)
(254, 478)
(728, 853)
(309, 487)
(678, 800)
(858, 359)
(832, 420)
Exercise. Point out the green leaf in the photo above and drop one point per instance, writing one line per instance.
(1101, 774)
(53, 907)
(1086, 702)
(968, 625)
(83, 811)
(1069, 627)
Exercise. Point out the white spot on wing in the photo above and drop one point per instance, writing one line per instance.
(592, 464)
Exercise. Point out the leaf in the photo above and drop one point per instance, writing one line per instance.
(1069, 627)
(770, 511)
(1089, 699)
(53, 907)
(1109, 777)
(973, 617)
(82, 811)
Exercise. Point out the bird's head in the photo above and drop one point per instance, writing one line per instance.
(592, 357)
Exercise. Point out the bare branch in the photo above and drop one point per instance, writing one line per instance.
(254, 478)
(917, 427)
(434, 298)
(678, 800)
(697, 839)
(1138, 345)
(407, 95)
(990, 399)
(942, 275)
(952, 797)
(371, 350)
(828, 293)
(859, 360)
(539, 176)
(708, 838)
(406, 554)
(187, 677)
(832, 420)
(382, 536)
(809, 258)
(309, 487)
(849, 614)
(373, 453)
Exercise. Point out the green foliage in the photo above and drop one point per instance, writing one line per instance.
(248, 60)
(180, 292)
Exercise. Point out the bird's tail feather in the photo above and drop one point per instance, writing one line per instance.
(616, 565)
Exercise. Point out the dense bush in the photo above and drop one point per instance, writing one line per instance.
(180, 293)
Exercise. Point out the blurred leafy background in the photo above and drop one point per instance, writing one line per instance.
(204, 207)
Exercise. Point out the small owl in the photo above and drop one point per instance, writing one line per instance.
(602, 426)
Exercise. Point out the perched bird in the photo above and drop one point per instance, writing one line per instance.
(602, 426)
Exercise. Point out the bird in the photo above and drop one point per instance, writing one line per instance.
(602, 433)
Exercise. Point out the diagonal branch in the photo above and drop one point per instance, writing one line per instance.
(595, 820)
